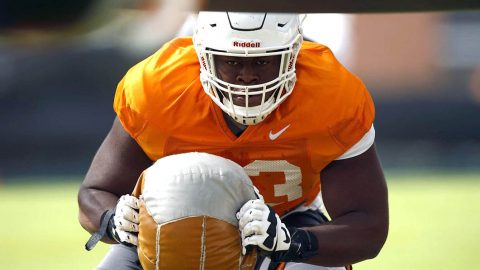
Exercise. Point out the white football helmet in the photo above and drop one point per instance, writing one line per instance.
(248, 35)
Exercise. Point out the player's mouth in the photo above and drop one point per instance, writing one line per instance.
(241, 98)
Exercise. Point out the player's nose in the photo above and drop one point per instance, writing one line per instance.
(247, 75)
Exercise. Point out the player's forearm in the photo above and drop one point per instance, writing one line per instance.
(92, 203)
(349, 239)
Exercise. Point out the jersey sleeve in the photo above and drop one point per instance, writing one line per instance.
(126, 103)
(361, 146)
(144, 90)
(356, 117)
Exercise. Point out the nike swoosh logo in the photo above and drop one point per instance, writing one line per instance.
(273, 136)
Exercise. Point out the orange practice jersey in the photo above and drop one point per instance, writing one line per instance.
(162, 105)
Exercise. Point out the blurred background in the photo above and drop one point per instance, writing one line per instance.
(423, 71)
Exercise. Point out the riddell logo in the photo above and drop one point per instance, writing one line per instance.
(246, 44)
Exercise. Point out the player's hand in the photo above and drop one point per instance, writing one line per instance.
(123, 226)
(260, 226)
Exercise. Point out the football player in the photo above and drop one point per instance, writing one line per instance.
(248, 88)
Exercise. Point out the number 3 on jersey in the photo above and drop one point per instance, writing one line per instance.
(291, 185)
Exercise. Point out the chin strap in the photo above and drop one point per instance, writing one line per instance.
(239, 113)
(102, 231)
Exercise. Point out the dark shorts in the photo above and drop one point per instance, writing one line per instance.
(120, 257)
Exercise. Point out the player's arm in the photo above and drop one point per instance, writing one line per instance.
(114, 172)
(355, 194)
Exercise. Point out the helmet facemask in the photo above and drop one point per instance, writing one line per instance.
(249, 104)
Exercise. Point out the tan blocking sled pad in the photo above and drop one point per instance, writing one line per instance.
(187, 213)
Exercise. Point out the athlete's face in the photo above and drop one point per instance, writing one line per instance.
(247, 71)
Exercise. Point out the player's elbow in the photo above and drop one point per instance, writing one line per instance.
(83, 217)
(373, 250)
(84, 221)
(81, 214)
(377, 236)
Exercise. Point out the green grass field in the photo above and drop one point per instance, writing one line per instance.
(434, 224)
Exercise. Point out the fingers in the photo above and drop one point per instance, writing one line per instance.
(255, 240)
(252, 204)
(261, 227)
(125, 225)
(254, 227)
(253, 224)
(249, 216)
(129, 200)
(127, 213)
(126, 237)
(126, 217)
(126, 208)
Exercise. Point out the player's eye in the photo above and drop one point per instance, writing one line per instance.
(232, 62)
(262, 62)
